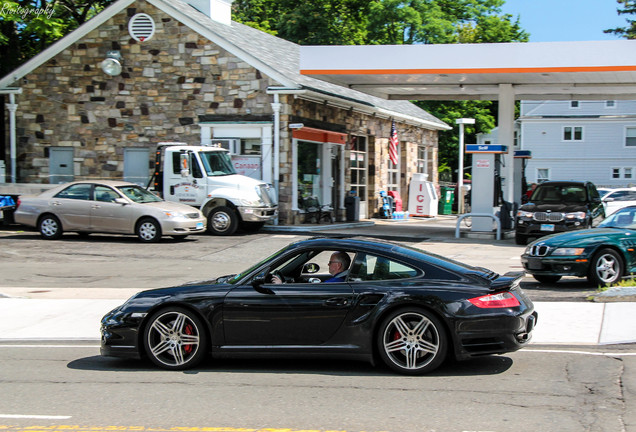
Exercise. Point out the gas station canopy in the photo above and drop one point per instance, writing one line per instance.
(536, 71)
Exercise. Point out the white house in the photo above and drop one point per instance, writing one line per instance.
(591, 140)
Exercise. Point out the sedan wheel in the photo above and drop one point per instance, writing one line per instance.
(412, 342)
(175, 339)
(148, 230)
(606, 268)
(50, 227)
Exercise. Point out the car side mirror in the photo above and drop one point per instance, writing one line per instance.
(258, 282)
(608, 200)
(311, 268)
(121, 201)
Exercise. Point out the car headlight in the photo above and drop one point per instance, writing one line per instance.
(252, 203)
(575, 215)
(568, 251)
(525, 214)
(172, 214)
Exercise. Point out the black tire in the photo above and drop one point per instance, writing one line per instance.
(606, 268)
(175, 339)
(148, 230)
(222, 221)
(521, 239)
(412, 341)
(547, 278)
(50, 227)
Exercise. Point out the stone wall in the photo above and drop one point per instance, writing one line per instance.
(167, 82)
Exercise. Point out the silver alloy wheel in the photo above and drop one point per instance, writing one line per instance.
(173, 339)
(221, 221)
(49, 227)
(607, 268)
(148, 231)
(411, 341)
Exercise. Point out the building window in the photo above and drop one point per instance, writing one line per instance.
(393, 170)
(574, 104)
(616, 173)
(627, 173)
(543, 174)
(358, 163)
(630, 137)
(422, 159)
(610, 104)
(572, 133)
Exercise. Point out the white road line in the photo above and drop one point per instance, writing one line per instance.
(609, 354)
(47, 346)
(38, 417)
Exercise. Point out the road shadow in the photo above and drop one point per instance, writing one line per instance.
(567, 289)
(480, 366)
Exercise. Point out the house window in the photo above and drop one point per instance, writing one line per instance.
(627, 173)
(572, 133)
(574, 104)
(422, 160)
(543, 174)
(616, 173)
(358, 162)
(393, 170)
(630, 137)
(610, 104)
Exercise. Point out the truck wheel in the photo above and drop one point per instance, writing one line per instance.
(222, 221)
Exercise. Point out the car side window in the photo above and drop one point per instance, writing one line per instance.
(367, 267)
(105, 194)
(80, 191)
(593, 192)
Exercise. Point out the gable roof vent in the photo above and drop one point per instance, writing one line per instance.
(141, 27)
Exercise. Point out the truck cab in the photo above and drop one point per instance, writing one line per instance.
(204, 177)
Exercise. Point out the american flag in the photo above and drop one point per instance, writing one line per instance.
(393, 145)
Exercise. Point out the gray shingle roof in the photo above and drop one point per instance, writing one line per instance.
(284, 57)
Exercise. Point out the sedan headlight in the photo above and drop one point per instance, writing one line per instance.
(525, 214)
(568, 251)
(575, 215)
(172, 214)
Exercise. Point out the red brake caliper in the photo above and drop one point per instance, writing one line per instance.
(188, 330)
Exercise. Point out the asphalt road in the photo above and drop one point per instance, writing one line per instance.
(33, 267)
(73, 389)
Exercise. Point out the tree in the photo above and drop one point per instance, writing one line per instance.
(28, 27)
(629, 8)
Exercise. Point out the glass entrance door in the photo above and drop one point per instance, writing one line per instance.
(309, 170)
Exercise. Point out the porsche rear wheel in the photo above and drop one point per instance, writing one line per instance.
(175, 339)
(412, 341)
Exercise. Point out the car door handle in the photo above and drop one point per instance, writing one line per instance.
(337, 301)
(56, 203)
(96, 206)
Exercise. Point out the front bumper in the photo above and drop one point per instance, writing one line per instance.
(531, 227)
(183, 226)
(258, 214)
(555, 266)
(120, 335)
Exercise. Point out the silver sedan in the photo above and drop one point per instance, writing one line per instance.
(107, 206)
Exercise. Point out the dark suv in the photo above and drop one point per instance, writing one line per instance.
(558, 206)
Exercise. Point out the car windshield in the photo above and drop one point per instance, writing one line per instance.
(624, 218)
(139, 194)
(559, 193)
(217, 163)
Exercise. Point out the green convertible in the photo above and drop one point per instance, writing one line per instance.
(604, 254)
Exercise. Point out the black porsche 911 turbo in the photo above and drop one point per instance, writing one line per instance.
(410, 308)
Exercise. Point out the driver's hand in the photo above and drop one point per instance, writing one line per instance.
(276, 280)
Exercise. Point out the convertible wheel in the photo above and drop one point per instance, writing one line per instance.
(412, 341)
(222, 221)
(50, 227)
(149, 230)
(547, 278)
(606, 268)
(175, 339)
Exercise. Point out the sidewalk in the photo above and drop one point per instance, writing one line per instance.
(74, 314)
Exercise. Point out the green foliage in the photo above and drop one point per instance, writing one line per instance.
(27, 27)
(628, 8)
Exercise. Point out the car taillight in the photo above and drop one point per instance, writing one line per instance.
(18, 203)
(499, 300)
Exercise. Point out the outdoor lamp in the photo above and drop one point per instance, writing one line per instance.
(112, 64)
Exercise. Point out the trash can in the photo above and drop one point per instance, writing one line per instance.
(352, 207)
(446, 199)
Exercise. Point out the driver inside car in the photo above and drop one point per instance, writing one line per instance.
(338, 267)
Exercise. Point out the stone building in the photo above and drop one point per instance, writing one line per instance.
(96, 103)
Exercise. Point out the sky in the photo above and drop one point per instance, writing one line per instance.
(567, 20)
